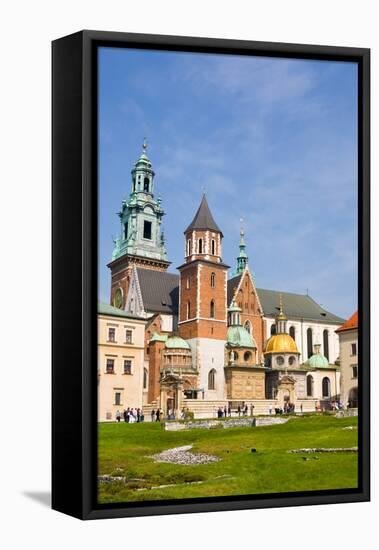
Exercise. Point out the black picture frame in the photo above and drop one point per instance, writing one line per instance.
(74, 271)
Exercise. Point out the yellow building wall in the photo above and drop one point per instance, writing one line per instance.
(130, 386)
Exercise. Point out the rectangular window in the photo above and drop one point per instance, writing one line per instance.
(146, 230)
(127, 366)
(117, 398)
(354, 371)
(128, 336)
(125, 230)
(110, 366)
(111, 335)
(354, 349)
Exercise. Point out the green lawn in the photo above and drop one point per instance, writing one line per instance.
(124, 450)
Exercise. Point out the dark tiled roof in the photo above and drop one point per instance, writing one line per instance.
(232, 285)
(160, 290)
(296, 306)
(160, 293)
(203, 218)
(106, 309)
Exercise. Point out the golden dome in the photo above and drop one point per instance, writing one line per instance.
(281, 343)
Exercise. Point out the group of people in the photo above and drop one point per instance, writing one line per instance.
(227, 411)
(286, 409)
(130, 415)
(156, 415)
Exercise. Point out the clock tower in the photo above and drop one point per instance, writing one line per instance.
(141, 240)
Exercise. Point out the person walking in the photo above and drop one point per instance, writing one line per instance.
(239, 410)
(118, 416)
(270, 409)
(225, 411)
(229, 410)
(152, 415)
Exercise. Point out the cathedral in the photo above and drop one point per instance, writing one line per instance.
(212, 338)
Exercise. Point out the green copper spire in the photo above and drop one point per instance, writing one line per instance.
(242, 258)
(141, 216)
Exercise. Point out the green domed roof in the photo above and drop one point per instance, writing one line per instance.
(317, 361)
(239, 337)
(175, 342)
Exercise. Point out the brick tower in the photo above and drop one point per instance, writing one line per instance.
(203, 300)
(141, 240)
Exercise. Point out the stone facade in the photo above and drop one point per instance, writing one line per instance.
(120, 362)
(348, 338)
(244, 383)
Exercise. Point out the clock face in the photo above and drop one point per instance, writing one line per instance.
(118, 298)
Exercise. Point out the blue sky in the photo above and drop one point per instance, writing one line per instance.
(272, 141)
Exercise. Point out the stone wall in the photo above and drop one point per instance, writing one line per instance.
(220, 424)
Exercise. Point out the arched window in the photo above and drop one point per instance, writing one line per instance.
(213, 280)
(144, 379)
(189, 247)
(188, 310)
(188, 282)
(326, 387)
(212, 310)
(248, 326)
(212, 379)
(146, 185)
(292, 332)
(325, 335)
(247, 356)
(309, 342)
(200, 246)
(213, 247)
(273, 329)
(310, 385)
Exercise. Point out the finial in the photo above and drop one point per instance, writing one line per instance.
(144, 145)
(280, 303)
(242, 231)
(203, 189)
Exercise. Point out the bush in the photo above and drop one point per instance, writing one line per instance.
(189, 415)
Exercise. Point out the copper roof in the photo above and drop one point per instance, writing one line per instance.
(350, 324)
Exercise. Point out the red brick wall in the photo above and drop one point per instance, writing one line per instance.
(204, 327)
(247, 299)
(154, 370)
